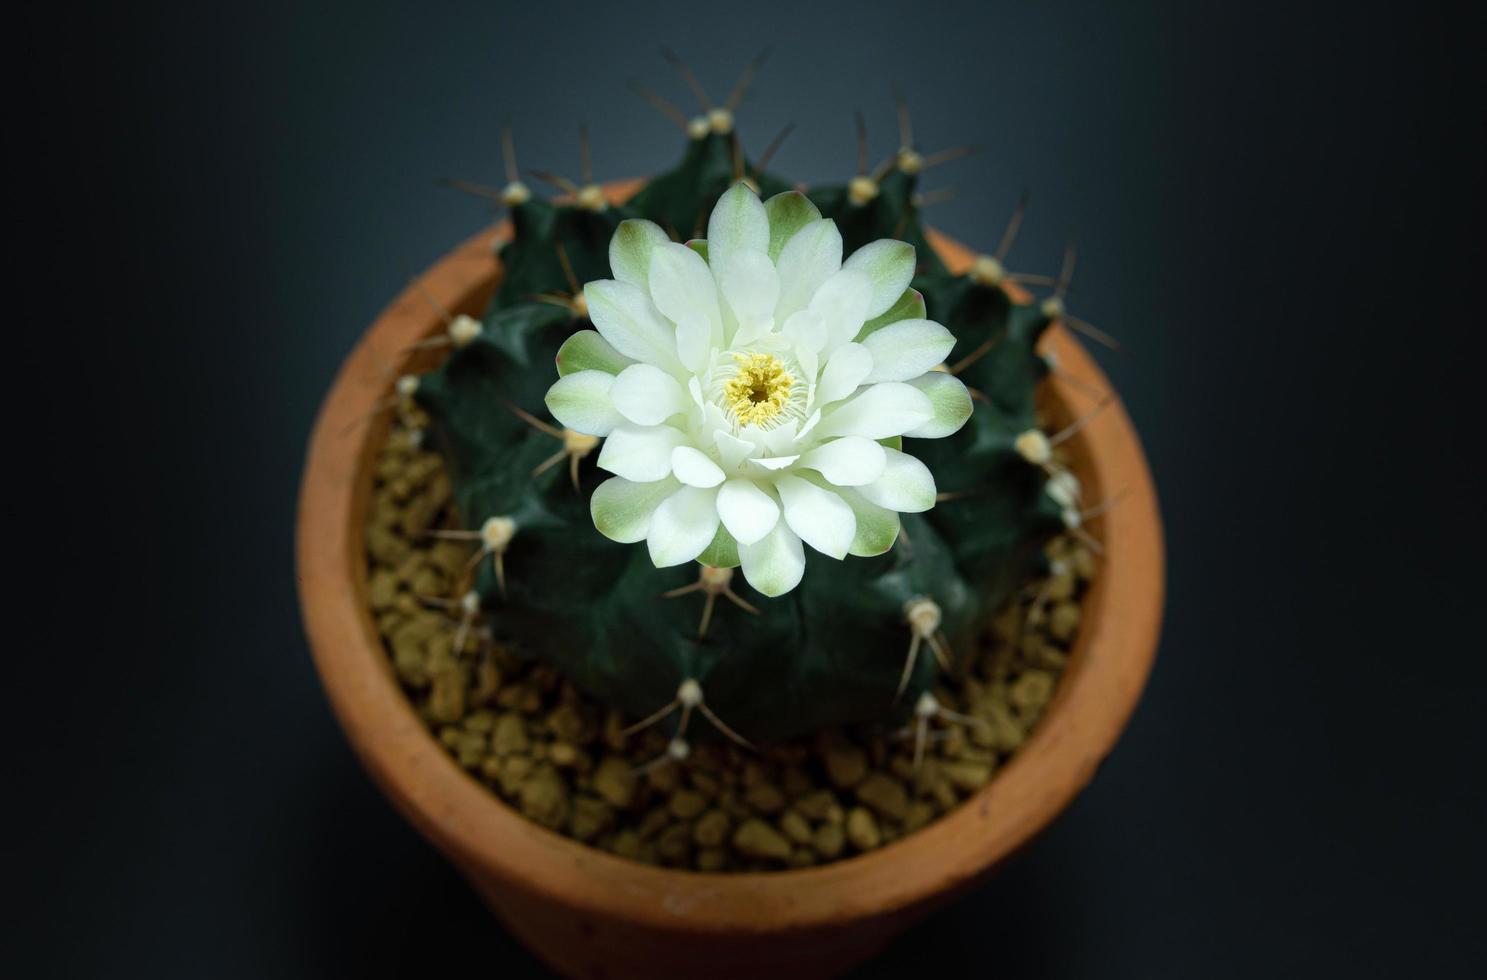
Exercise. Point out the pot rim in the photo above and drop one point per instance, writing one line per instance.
(1107, 670)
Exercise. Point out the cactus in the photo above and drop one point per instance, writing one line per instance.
(857, 640)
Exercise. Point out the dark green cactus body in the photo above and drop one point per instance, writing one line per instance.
(829, 652)
(681, 199)
(891, 214)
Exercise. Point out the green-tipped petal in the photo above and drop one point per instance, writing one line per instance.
(905, 486)
(723, 552)
(581, 402)
(906, 349)
(877, 527)
(630, 250)
(910, 306)
(622, 509)
(889, 264)
(788, 213)
(774, 564)
(683, 526)
(951, 401)
(587, 351)
(739, 222)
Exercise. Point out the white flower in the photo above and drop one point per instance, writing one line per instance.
(746, 385)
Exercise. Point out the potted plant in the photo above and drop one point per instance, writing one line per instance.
(656, 587)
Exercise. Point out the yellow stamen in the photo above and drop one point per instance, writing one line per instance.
(759, 390)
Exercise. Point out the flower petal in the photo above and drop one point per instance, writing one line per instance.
(806, 329)
(682, 286)
(694, 342)
(778, 441)
(849, 461)
(630, 250)
(788, 213)
(581, 402)
(811, 257)
(906, 485)
(775, 462)
(877, 412)
(774, 564)
(907, 349)
(587, 351)
(877, 527)
(849, 367)
(622, 509)
(889, 265)
(821, 518)
(842, 301)
(738, 222)
(693, 468)
(732, 449)
(809, 424)
(723, 552)
(646, 395)
(683, 526)
(627, 318)
(910, 306)
(950, 400)
(749, 284)
(747, 511)
(640, 453)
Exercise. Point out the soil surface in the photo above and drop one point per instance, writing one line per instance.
(561, 759)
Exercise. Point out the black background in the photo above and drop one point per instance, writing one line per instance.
(1274, 204)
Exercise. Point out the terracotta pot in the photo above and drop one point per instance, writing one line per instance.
(590, 914)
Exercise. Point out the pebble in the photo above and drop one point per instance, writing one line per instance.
(765, 798)
(471, 749)
(1064, 620)
(479, 721)
(568, 756)
(447, 697)
(626, 844)
(796, 827)
(1006, 733)
(816, 805)
(829, 840)
(615, 781)
(382, 589)
(653, 821)
(674, 843)
(862, 829)
(1032, 690)
(510, 735)
(885, 795)
(846, 763)
(591, 817)
(711, 859)
(801, 857)
(544, 798)
(566, 723)
(686, 804)
(384, 546)
(711, 829)
(757, 839)
(966, 776)
(918, 814)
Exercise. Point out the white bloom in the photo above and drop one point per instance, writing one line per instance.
(745, 387)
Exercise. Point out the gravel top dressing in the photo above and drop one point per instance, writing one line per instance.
(564, 761)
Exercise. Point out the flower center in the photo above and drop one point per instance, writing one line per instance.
(759, 390)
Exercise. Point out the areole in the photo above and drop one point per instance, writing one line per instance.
(589, 913)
